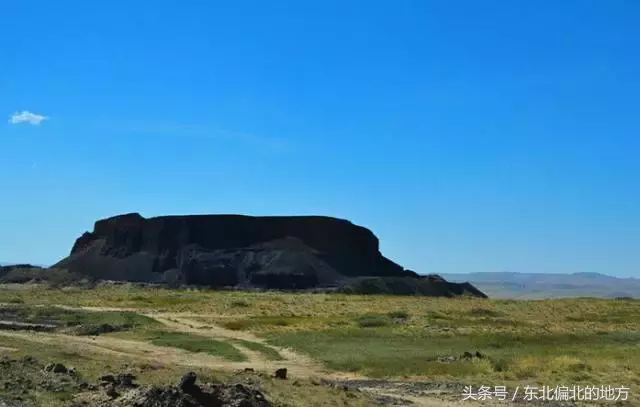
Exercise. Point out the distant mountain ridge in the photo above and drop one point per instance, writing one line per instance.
(8, 263)
(547, 285)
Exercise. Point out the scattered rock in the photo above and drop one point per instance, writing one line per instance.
(126, 380)
(281, 374)
(95, 330)
(26, 326)
(55, 368)
(22, 380)
(467, 356)
(218, 394)
(447, 359)
(187, 382)
(470, 356)
(107, 379)
(122, 380)
(59, 368)
(111, 392)
(392, 401)
(144, 367)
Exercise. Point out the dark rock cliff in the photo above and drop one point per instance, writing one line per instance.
(231, 250)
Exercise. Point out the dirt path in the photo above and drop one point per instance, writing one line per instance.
(297, 365)
(292, 360)
(132, 349)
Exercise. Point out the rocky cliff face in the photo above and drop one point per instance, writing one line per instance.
(230, 250)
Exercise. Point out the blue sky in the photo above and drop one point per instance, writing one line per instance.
(468, 135)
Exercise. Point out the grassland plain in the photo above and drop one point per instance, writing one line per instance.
(581, 341)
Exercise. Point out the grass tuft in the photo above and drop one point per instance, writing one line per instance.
(268, 352)
(240, 304)
(197, 343)
(372, 321)
(484, 312)
(399, 314)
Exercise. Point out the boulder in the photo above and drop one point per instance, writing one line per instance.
(55, 368)
(187, 382)
(281, 374)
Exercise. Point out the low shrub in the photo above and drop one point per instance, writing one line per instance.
(399, 314)
(372, 321)
(240, 304)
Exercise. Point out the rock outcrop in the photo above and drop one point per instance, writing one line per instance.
(121, 391)
(286, 252)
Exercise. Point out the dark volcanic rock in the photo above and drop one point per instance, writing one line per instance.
(187, 381)
(281, 373)
(187, 394)
(287, 252)
(227, 250)
(56, 368)
(423, 286)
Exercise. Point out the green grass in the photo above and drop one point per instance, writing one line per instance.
(485, 312)
(370, 321)
(196, 343)
(258, 321)
(268, 352)
(398, 314)
(374, 352)
(240, 303)
(116, 318)
(63, 318)
(384, 352)
(570, 341)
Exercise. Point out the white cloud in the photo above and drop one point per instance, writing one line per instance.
(26, 117)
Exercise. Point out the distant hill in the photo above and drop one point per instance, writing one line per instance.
(539, 285)
(8, 263)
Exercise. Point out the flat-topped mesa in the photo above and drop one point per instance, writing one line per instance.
(350, 249)
(231, 250)
(160, 244)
